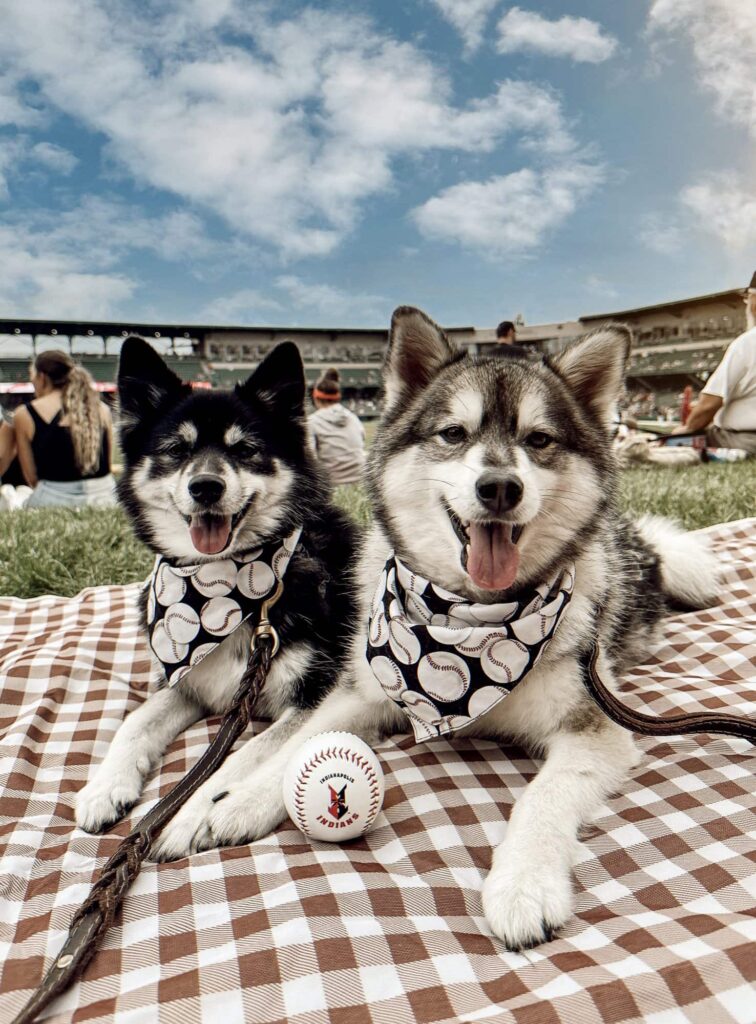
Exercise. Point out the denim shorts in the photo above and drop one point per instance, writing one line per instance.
(97, 493)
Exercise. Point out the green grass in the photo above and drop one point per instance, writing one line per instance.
(60, 551)
(56, 551)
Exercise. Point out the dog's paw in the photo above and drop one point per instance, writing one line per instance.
(219, 815)
(106, 798)
(526, 906)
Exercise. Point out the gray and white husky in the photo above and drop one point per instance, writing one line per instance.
(488, 476)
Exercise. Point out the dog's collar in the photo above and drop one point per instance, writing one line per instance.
(191, 609)
(446, 661)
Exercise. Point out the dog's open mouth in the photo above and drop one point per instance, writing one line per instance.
(210, 533)
(489, 551)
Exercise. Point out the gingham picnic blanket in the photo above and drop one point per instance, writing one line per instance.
(387, 929)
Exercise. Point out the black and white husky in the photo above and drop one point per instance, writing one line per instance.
(211, 476)
(490, 478)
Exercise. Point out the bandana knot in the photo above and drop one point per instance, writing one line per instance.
(191, 609)
(446, 661)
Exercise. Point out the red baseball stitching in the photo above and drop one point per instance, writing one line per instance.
(308, 767)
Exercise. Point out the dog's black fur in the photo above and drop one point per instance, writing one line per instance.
(318, 601)
(254, 440)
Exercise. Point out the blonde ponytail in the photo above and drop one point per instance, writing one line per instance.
(81, 408)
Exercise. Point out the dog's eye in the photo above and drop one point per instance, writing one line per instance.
(538, 439)
(244, 446)
(454, 434)
(175, 449)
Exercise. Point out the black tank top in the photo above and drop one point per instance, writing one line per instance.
(53, 451)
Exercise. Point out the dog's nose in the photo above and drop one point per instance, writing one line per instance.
(499, 493)
(206, 488)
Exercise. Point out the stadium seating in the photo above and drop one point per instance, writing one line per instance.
(680, 361)
(14, 371)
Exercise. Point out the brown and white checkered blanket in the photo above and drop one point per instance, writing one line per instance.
(387, 929)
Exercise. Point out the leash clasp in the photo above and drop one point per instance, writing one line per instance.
(264, 627)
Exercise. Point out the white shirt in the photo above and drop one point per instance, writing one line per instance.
(734, 381)
(338, 438)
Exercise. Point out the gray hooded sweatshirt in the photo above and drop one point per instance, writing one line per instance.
(338, 438)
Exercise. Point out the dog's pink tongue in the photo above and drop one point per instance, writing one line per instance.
(493, 559)
(210, 533)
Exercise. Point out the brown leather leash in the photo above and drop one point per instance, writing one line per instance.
(96, 914)
(660, 725)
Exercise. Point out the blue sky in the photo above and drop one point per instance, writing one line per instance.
(285, 163)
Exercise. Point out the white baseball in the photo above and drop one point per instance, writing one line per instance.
(403, 643)
(441, 630)
(201, 652)
(479, 639)
(443, 675)
(417, 607)
(216, 579)
(280, 561)
(178, 675)
(333, 787)
(169, 587)
(167, 650)
(388, 674)
(256, 579)
(378, 629)
(181, 623)
(535, 627)
(220, 616)
(484, 699)
(504, 661)
(421, 707)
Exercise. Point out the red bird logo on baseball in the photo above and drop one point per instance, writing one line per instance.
(337, 808)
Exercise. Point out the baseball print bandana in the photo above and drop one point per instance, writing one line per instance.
(191, 609)
(446, 661)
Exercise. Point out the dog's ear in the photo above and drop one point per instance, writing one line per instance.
(594, 368)
(278, 383)
(417, 350)
(145, 384)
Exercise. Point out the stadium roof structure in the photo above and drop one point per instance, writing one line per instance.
(732, 296)
(116, 328)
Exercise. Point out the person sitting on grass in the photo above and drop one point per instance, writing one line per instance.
(338, 436)
(726, 408)
(8, 450)
(65, 437)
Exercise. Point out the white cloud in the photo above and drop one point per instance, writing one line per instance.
(41, 281)
(723, 36)
(246, 305)
(577, 38)
(468, 17)
(328, 302)
(662, 234)
(599, 285)
(17, 153)
(718, 206)
(508, 215)
(723, 208)
(290, 301)
(68, 263)
(55, 157)
(285, 128)
(14, 110)
(11, 152)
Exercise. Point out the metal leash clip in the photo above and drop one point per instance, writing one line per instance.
(264, 627)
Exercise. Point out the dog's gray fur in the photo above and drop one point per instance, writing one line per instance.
(568, 512)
